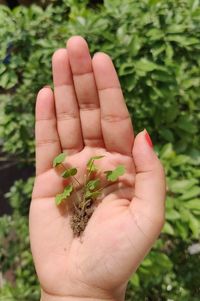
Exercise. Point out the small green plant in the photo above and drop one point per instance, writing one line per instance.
(83, 205)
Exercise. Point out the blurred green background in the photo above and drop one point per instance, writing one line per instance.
(155, 46)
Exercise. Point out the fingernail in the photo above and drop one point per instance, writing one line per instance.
(96, 53)
(148, 139)
(47, 86)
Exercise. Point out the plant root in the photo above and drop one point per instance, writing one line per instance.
(81, 214)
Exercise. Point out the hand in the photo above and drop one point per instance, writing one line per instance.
(86, 116)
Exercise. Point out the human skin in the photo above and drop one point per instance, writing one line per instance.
(85, 116)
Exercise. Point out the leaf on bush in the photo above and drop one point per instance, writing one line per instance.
(193, 204)
(187, 124)
(194, 225)
(193, 192)
(169, 51)
(168, 229)
(183, 40)
(59, 159)
(113, 175)
(135, 280)
(172, 214)
(167, 134)
(64, 195)
(8, 80)
(181, 186)
(181, 159)
(182, 229)
(167, 152)
(69, 172)
(144, 65)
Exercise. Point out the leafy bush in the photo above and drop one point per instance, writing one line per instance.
(16, 261)
(155, 48)
(169, 271)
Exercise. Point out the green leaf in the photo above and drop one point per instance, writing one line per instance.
(167, 134)
(143, 66)
(193, 204)
(59, 159)
(167, 152)
(181, 159)
(172, 214)
(182, 40)
(8, 80)
(171, 113)
(187, 124)
(135, 280)
(168, 229)
(193, 192)
(90, 163)
(181, 186)
(2, 68)
(155, 34)
(146, 262)
(169, 51)
(65, 194)
(126, 68)
(176, 28)
(182, 230)
(194, 225)
(113, 175)
(68, 190)
(93, 184)
(69, 172)
(59, 199)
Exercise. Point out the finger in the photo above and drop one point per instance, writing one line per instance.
(68, 121)
(150, 188)
(85, 86)
(47, 139)
(115, 120)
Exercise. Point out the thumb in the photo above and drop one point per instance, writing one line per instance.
(150, 186)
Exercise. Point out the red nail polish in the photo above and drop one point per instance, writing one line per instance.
(148, 139)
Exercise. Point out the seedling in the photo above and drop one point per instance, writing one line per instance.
(83, 204)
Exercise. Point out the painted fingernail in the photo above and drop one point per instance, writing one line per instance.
(148, 139)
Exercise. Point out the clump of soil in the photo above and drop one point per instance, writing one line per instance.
(81, 214)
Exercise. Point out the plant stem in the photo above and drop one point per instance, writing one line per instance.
(74, 186)
(76, 180)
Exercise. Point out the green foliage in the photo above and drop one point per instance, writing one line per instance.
(19, 196)
(170, 271)
(69, 172)
(113, 175)
(64, 195)
(15, 256)
(155, 47)
(93, 184)
(90, 164)
(91, 188)
(59, 159)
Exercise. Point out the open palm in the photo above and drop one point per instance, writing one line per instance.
(86, 116)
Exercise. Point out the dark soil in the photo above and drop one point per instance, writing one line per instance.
(80, 216)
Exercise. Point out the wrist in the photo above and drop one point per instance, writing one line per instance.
(48, 297)
(73, 298)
